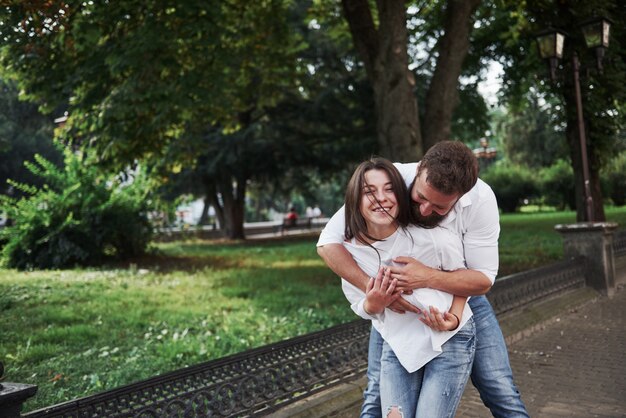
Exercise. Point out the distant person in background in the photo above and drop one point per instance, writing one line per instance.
(309, 212)
(290, 219)
(316, 212)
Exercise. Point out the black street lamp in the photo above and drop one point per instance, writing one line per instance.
(550, 43)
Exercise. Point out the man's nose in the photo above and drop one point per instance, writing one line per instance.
(426, 209)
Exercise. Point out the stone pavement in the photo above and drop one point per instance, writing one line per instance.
(574, 367)
(572, 363)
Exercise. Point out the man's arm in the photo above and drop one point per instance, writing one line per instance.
(414, 275)
(340, 261)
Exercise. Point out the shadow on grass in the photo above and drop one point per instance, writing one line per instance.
(165, 264)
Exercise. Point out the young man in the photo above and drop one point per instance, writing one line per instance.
(445, 191)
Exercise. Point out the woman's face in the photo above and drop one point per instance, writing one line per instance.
(379, 205)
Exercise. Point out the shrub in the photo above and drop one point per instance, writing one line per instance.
(557, 185)
(78, 217)
(511, 183)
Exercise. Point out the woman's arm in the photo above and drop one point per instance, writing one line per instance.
(448, 321)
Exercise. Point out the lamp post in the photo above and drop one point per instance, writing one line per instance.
(550, 43)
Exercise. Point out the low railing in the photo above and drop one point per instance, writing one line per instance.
(255, 382)
(251, 229)
(516, 290)
(262, 380)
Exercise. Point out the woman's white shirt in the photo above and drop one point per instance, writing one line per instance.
(414, 343)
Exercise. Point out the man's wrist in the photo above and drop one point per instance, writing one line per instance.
(432, 278)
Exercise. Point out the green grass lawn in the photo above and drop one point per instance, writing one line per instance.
(528, 240)
(77, 332)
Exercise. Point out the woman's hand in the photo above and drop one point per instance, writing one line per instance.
(440, 322)
(380, 292)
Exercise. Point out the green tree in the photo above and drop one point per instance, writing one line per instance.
(381, 36)
(138, 73)
(24, 132)
(557, 185)
(142, 77)
(602, 93)
(312, 131)
(511, 184)
(530, 134)
(614, 173)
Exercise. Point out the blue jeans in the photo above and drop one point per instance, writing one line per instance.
(491, 371)
(434, 390)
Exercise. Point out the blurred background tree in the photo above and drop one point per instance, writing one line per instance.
(263, 103)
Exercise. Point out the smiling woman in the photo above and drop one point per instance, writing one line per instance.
(413, 349)
(378, 204)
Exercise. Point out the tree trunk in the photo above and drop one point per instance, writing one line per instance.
(384, 54)
(442, 97)
(204, 217)
(230, 210)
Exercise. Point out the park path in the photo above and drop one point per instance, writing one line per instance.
(574, 367)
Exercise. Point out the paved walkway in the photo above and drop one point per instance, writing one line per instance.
(574, 367)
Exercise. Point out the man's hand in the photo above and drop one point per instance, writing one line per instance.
(380, 292)
(401, 306)
(412, 274)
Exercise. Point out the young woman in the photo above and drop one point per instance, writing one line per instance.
(426, 359)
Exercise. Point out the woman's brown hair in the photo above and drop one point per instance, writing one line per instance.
(356, 227)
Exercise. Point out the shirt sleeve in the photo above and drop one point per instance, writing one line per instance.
(359, 309)
(356, 297)
(480, 239)
(333, 232)
(407, 171)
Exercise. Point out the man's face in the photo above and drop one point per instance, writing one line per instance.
(430, 206)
